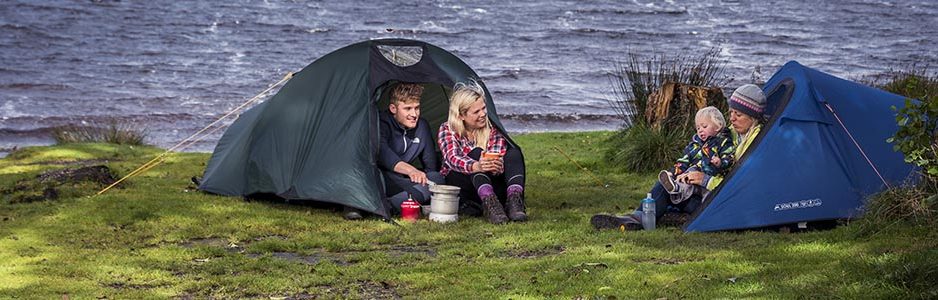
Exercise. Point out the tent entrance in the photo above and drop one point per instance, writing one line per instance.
(776, 101)
(434, 102)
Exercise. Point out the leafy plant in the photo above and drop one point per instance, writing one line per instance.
(917, 136)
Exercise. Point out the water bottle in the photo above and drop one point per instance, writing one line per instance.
(648, 212)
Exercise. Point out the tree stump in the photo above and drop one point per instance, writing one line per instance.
(676, 104)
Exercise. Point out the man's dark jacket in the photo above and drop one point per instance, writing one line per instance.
(408, 145)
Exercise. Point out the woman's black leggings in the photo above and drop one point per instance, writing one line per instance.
(469, 202)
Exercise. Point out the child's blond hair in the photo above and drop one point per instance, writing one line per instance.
(713, 114)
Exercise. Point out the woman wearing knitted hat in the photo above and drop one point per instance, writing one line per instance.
(747, 105)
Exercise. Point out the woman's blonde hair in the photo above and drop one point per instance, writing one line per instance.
(464, 95)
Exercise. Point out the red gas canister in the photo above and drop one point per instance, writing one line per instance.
(410, 210)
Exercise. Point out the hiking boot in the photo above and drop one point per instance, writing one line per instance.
(627, 222)
(351, 213)
(516, 208)
(667, 181)
(492, 209)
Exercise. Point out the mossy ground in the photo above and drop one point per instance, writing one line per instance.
(156, 237)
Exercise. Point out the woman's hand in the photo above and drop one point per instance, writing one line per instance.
(493, 166)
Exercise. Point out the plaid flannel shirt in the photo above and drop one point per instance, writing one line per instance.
(456, 149)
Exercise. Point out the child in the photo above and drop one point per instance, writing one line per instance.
(710, 151)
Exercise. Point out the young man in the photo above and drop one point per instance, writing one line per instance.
(405, 140)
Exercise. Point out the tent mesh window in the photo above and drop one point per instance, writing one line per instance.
(402, 56)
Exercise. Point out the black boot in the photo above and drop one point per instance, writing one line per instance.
(516, 208)
(351, 213)
(492, 209)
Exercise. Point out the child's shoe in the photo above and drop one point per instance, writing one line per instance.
(667, 181)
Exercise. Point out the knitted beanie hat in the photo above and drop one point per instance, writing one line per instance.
(748, 99)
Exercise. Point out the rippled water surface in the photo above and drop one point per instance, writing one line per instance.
(173, 67)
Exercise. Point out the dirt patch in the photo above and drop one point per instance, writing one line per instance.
(673, 219)
(100, 174)
(377, 290)
(46, 185)
(661, 261)
(342, 258)
(588, 267)
(537, 253)
(397, 251)
(291, 257)
(134, 286)
(269, 237)
(83, 163)
(300, 296)
(207, 242)
(362, 290)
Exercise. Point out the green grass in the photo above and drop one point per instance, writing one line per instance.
(157, 238)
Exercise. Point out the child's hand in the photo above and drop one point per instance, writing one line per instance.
(682, 178)
(715, 161)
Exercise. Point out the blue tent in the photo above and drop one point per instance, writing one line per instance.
(822, 152)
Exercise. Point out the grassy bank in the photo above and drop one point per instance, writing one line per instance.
(157, 238)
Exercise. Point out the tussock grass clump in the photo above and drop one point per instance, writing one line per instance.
(641, 148)
(914, 82)
(915, 205)
(907, 210)
(114, 132)
(638, 77)
(633, 82)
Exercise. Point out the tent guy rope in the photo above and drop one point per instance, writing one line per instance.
(196, 137)
(857, 144)
(600, 182)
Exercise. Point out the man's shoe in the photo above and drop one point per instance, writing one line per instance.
(493, 211)
(351, 213)
(667, 181)
(516, 208)
(627, 222)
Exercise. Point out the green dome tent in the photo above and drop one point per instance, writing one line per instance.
(317, 138)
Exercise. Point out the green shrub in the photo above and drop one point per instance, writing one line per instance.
(115, 132)
(643, 149)
(915, 205)
(917, 136)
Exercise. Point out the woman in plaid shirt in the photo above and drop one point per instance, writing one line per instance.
(478, 159)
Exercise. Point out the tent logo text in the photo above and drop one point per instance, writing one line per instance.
(798, 204)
